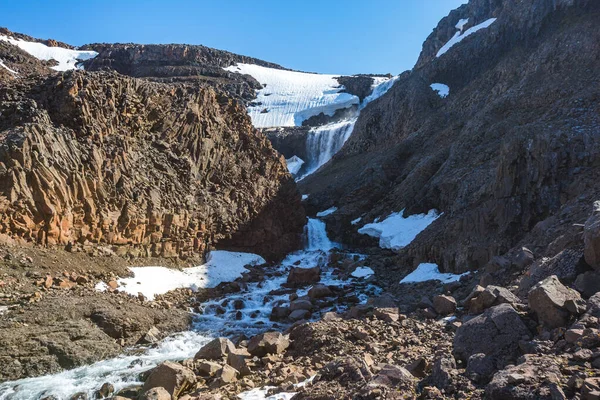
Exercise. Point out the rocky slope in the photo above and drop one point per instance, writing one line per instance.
(510, 156)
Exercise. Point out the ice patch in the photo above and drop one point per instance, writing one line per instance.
(356, 221)
(6, 67)
(430, 272)
(304, 197)
(327, 212)
(442, 90)
(396, 232)
(459, 36)
(221, 266)
(289, 97)
(67, 59)
(362, 272)
(294, 164)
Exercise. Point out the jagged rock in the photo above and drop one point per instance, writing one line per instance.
(388, 314)
(591, 238)
(444, 368)
(152, 336)
(268, 343)
(216, 349)
(588, 283)
(523, 259)
(106, 390)
(491, 296)
(228, 374)
(444, 305)
(496, 332)
(238, 362)
(393, 376)
(319, 291)
(208, 368)
(549, 300)
(157, 393)
(173, 377)
(418, 367)
(591, 389)
(304, 276)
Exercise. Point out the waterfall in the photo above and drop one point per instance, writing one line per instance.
(323, 142)
(316, 236)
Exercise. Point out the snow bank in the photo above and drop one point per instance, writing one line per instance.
(396, 232)
(221, 266)
(288, 97)
(430, 272)
(442, 90)
(67, 59)
(294, 164)
(362, 272)
(327, 212)
(6, 67)
(459, 36)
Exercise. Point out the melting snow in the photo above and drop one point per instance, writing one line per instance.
(459, 36)
(327, 212)
(430, 272)
(289, 97)
(221, 266)
(294, 164)
(442, 90)
(67, 59)
(396, 232)
(6, 67)
(461, 24)
(362, 272)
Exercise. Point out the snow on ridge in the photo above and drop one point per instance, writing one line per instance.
(442, 90)
(288, 97)
(67, 59)
(6, 67)
(396, 232)
(430, 272)
(459, 36)
(327, 212)
(221, 266)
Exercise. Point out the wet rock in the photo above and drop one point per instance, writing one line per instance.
(591, 237)
(549, 299)
(268, 343)
(299, 315)
(444, 305)
(173, 377)
(304, 276)
(105, 390)
(215, 350)
(301, 305)
(157, 393)
(319, 291)
(152, 336)
(79, 396)
(279, 313)
(496, 332)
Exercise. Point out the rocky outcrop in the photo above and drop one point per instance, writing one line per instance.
(150, 168)
(592, 238)
(510, 156)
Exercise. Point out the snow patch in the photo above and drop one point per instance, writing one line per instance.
(459, 36)
(289, 97)
(430, 272)
(294, 164)
(442, 90)
(262, 394)
(380, 87)
(304, 197)
(221, 266)
(67, 59)
(6, 67)
(396, 232)
(356, 221)
(327, 212)
(362, 272)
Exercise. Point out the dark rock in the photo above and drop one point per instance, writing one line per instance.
(444, 305)
(215, 350)
(592, 238)
(304, 276)
(548, 299)
(480, 367)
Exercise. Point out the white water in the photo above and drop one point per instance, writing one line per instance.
(219, 317)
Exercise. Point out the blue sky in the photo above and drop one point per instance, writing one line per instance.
(327, 36)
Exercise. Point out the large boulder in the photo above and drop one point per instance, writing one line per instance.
(157, 393)
(591, 238)
(489, 297)
(444, 305)
(304, 276)
(496, 332)
(215, 350)
(173, 377)
(268, 343)
(553, 302)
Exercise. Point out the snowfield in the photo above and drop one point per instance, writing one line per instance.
(430, 272)
(396, 232)
(67, 59)
(221, 266)
(459, 36)
(290, 97)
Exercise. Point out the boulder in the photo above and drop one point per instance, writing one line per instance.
(268, 343)
(208, 368)
(106, 390)
(550, 300)
(279, 313)
(215, 350)
(299, 315)
(588, 283)
(393, 376)
(496, 332)
(444, 305)
(238, 362)
(388, 314)
(301, 305)
(157, 393)
(304, 276)
(173, 377)
(591, 238)
(490, 296)
(444, 368)
(152, 336)
(319, 291)
(480, 367)
(590, 389)
(523, 259)
(228, 374)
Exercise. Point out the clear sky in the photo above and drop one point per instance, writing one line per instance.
(327, 36)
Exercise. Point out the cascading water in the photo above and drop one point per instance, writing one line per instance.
(316, 236)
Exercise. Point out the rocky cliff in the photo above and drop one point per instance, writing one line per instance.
(153, 169)
(511, 156)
